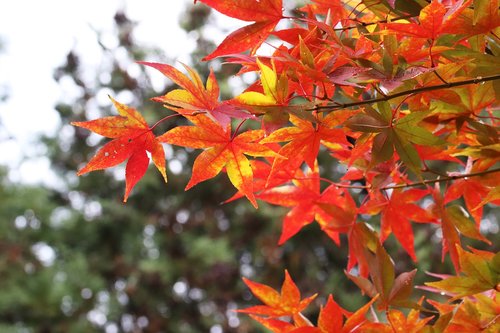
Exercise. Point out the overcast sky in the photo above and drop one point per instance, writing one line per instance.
(36, 36)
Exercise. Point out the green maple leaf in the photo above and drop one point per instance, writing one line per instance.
(481, 272)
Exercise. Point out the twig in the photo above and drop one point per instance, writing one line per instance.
(421, 183)
(367, 24)
(329, 108)
(440, 180)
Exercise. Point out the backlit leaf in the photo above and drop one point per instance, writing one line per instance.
(221, 150)
(287, 302)
(265, 13)
(132, 137)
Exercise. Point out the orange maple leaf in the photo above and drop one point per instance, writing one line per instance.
(286, 303)
(221, 150)
(132, 137)
(435, 19)
(331, 320)
(398, 322)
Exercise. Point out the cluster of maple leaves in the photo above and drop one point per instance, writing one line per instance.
(389, 89)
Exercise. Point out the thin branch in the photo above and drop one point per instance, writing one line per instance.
(440, 180)
(424, 182)
(479, 79)
(366, 24)
(175, 115)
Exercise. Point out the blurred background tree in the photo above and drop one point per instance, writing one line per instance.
(74, 258)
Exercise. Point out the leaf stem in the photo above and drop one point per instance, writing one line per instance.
(174, 115)
(329, 108)
(367, 24)
(237, 129)
(490, 323)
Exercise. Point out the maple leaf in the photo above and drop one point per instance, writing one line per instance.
(221, 150)
(434, 19)
(453, 222)
(476, 315)
(308, 205)
(275, 92)
(473, 314)
(400, 136)
(396, 213)
(310, 62)
(360, 238)
(482, 273)
(285, 303)
(261, 178)
(391, 289)
(132, 137)
(484, 18)
(331, 317)
(271, 101)
(195, 96)
(276, 325)
(305, 139)
(474, 190)
(265, 13)
(397, 321)
(345, 74)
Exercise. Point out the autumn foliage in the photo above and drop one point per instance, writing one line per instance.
(402, 95)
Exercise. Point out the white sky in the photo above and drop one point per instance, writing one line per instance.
(37, 36)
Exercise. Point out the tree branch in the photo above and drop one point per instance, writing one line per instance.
(424, 182)
(328, 108)
(366, 24)
(439, 180)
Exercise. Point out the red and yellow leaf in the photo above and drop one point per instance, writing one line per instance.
(195, 96)
(309, 204)
(132, 137)
(286, 303)
(221, 149)
(304, 139)
(265, 13)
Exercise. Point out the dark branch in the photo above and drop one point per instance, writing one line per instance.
(338, 106)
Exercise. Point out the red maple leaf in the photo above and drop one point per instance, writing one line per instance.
(435, 19)
(474, 191)
(305, 139)
(454, 222)
(265, 13)
(331, 317)
(132, 137)
(396, 213)
(330, 208)
(221, 150)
